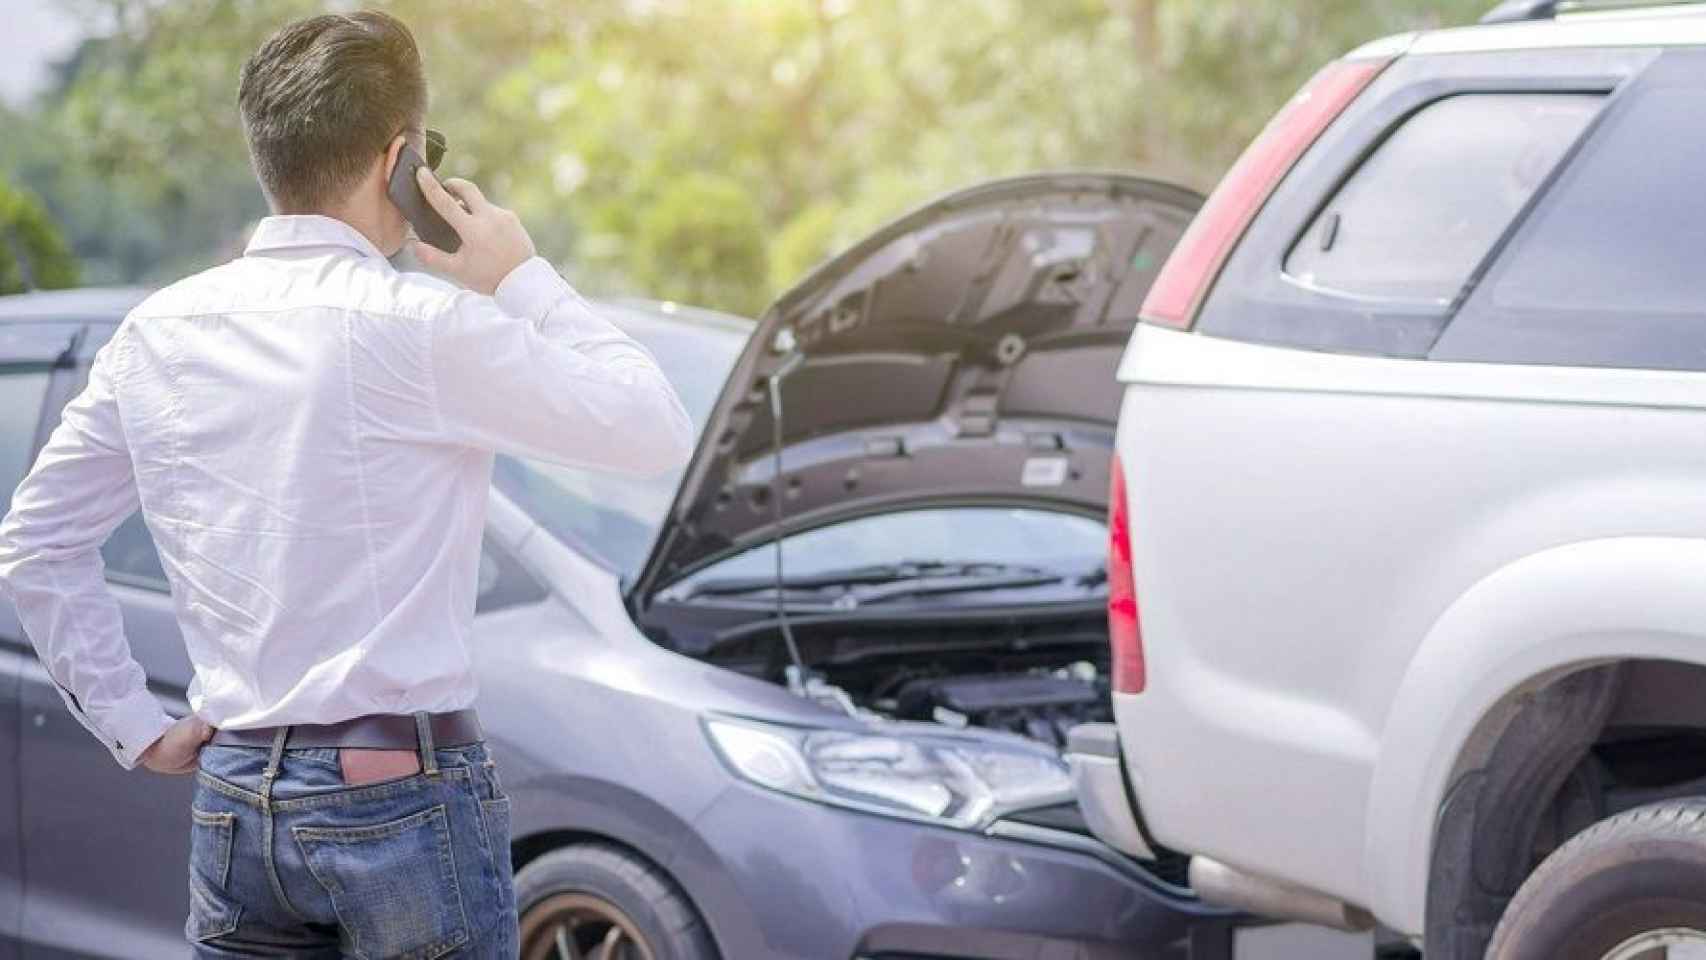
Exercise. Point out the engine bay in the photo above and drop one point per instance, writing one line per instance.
(1035, 676)
(1040, 703)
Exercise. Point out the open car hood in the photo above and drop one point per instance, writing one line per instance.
(964, 353)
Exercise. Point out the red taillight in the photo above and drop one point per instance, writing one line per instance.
(1124, 636)
(1184, 280)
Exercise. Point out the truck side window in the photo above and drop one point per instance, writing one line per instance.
(1426, 207)
(1608, 270)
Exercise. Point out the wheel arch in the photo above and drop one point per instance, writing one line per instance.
(1516, 631)
(558, 811)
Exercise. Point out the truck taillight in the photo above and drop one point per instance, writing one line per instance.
(1124, 637)
(1183, 282)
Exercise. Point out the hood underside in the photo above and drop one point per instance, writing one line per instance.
(963, 354)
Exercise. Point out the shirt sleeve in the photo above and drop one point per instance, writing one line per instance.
(534, 371)
(79, 490)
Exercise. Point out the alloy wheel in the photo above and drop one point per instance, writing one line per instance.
(1671, 943)
(579, 926)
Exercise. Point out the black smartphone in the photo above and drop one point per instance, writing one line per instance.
(405, 192)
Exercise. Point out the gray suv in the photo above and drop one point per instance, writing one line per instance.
(851, 750)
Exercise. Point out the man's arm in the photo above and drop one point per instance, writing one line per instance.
(532, 369)
(50, 565)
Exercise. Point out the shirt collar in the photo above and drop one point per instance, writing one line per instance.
(286, 231)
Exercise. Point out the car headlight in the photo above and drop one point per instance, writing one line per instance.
(959, 781)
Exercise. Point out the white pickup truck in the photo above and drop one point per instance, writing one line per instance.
(1408, 515)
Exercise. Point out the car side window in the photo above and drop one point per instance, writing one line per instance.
(131, 558)
(1607, 270)
(21, 392)
(503, 582)
(1425, 208)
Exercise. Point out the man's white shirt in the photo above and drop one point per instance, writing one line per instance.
(309, 433)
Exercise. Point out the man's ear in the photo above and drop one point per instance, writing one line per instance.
(391, 154)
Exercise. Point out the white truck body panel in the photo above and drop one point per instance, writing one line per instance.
(1343, 563)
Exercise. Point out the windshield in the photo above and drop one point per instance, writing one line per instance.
(614, 516)
(1007, 539)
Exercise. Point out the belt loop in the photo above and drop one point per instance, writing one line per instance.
(273, 759)
(423, 733)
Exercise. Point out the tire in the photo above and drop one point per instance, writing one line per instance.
(589, 891)
(1620, 881)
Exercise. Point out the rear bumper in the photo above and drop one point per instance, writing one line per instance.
(1099, 779)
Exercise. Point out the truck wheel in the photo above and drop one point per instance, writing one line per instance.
(594, 900)
(1631, 887)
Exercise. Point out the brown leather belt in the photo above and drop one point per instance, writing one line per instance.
(374, 730)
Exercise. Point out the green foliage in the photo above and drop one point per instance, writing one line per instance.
(32, 253)
(701, 242)
(705, 150)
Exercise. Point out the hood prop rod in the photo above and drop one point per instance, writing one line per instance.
(797, 673)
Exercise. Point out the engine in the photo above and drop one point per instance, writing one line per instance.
(1041, 704)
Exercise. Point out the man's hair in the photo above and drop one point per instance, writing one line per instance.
(322, 97)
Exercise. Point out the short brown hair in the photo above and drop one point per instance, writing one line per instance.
(322, 97)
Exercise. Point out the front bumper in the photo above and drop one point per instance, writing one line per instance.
(790, 878)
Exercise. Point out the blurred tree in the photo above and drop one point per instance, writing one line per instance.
(701, 242)
(697, 149)
(32, 254)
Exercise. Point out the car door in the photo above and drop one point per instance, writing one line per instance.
(105, 851)
(28, 354)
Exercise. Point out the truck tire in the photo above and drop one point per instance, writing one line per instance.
(1631, 887)
(606, 902)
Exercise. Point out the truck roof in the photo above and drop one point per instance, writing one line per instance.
(1661, 24)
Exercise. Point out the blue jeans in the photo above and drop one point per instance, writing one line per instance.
(304, 865)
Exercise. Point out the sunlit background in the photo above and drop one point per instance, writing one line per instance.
(708, 151)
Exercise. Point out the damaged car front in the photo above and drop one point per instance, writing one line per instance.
(823, 694)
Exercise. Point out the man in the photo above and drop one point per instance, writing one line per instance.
(309, 434)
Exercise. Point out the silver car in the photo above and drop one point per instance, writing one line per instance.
(850, 749)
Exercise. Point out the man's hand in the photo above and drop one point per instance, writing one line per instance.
(179, 748)
(493, 240)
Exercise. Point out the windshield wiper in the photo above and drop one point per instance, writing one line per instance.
(883, 581)
(938, 585)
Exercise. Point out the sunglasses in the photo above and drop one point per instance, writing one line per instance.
(435, 147)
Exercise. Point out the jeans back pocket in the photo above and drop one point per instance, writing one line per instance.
(392, 884)
(212, 911)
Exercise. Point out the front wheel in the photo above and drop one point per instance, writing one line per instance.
(1631, 887)
(594, 901)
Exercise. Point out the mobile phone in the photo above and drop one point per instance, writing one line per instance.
(406, 193)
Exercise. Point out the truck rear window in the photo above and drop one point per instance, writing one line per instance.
(1417, 217)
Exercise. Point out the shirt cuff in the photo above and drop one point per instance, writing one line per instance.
(134, 723)
(531, 290)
